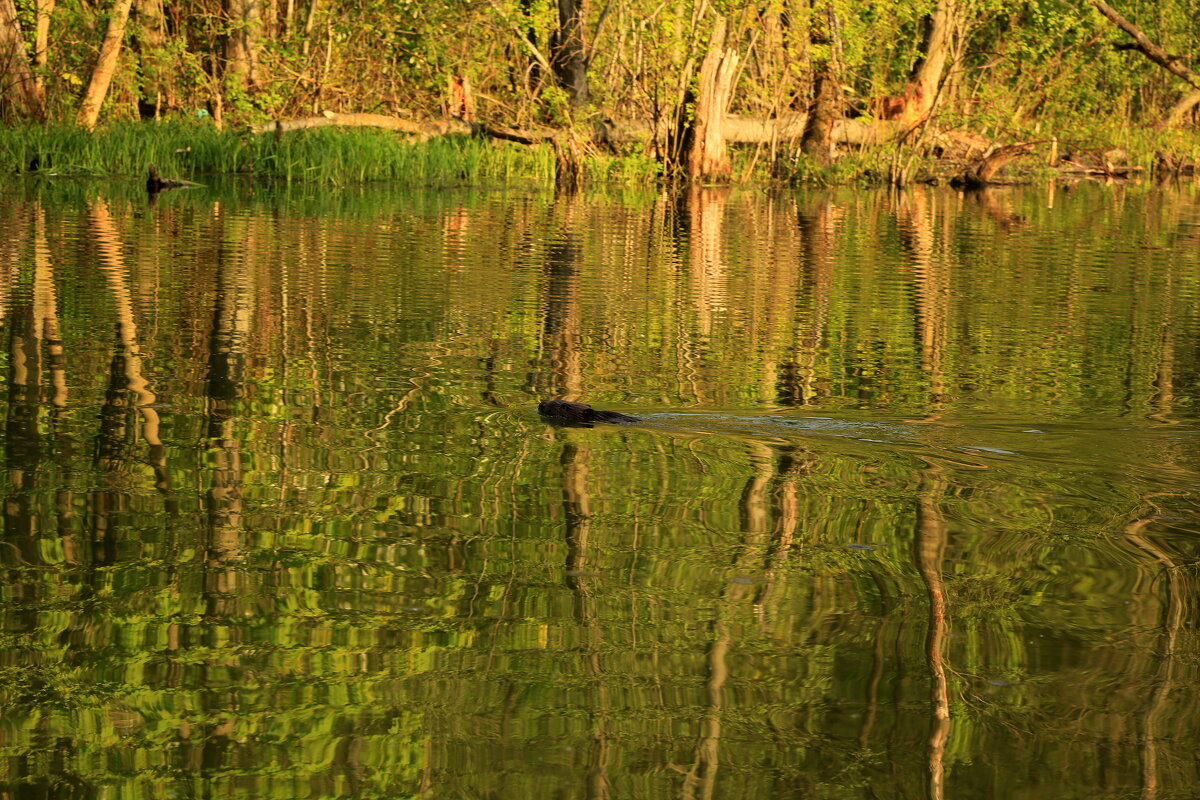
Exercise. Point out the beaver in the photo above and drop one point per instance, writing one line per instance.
(579, 413)
(155, 183)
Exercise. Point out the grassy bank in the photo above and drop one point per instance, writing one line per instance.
(193, 149)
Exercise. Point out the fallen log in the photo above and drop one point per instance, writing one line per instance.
(981, 159)
(1110, 171)
(982, 171)
(424, 129)
(741, 130)
(762, 130)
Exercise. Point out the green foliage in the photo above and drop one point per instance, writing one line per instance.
(635, 168)
(1020, 69)
(194, 149)
(863, 166)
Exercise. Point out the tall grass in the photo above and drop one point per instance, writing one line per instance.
(194, 149)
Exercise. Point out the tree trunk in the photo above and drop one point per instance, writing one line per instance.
(460, 99)
(915, 105)
(149, 43)
(532, 68)
(826, 109)
(42, 36)
(17, 84)
(310, 21)
(707, 158)
(243, 43)
(106, 65)
(817, 142)
(1178, 111)
(568, 56)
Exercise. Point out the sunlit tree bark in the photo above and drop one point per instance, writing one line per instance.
(707, 157)
(1174, 117)
(17, 83)
(568, 54)
(826, 107)
(42, 34)
(917, 101)
(310, 21)
(243, 43)
(106, 64)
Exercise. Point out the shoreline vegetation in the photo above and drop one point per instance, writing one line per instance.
(561, 93)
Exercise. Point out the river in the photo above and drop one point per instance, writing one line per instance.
(912, 509)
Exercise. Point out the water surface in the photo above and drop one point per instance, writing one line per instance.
(913, 510)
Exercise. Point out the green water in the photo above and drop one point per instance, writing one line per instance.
(913, 510)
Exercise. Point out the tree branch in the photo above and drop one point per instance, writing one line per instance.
(1173, 64)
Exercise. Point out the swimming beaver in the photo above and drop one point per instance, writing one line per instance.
(579, 412)
(155, 183)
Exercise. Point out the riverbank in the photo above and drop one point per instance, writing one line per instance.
(195, 148)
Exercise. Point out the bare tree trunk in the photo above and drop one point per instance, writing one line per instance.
(707, 158)
(826, 109)
(567, 53)
(927, 73)
(149, 42)
(817, 141)
(106, 64)
(797, 42)
(915, 105)
(1175, 116)
(17, 84)
(460, 98)
(309, 22)
(42, 35)
(243, 43)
